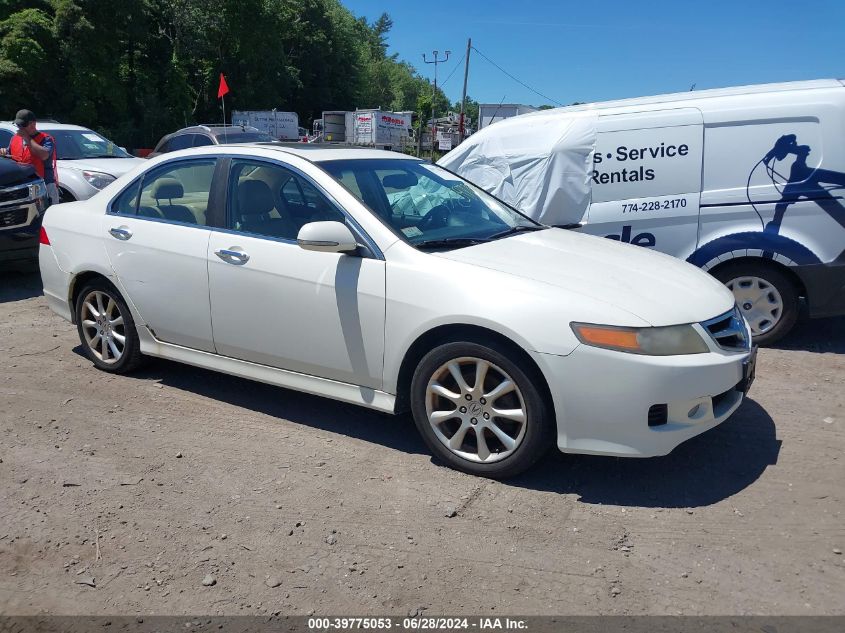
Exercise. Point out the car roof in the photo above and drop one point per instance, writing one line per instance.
(214, 129)
(312, 152)
(316, 152)
(48, 125)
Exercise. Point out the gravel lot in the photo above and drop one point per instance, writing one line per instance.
(181, 491)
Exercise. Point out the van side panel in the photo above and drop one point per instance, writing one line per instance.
(646, 179)
(774, 188)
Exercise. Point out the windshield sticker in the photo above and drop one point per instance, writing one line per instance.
(93, 137)
(411, 231)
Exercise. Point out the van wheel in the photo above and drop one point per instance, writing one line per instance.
(479, 411)
(766, 297)
(65, 196)
(106, 328)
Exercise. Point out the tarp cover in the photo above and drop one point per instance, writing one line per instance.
(539, 163)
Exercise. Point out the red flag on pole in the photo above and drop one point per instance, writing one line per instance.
(223, 88)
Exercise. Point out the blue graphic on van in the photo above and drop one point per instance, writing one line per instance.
(804, 182)
(771, 244)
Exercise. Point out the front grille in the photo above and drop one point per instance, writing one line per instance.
(15, 217)
(728, 330)
(658, 414)
(13, 194)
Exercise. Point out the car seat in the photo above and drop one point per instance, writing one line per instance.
(255, 202)
(168, 189)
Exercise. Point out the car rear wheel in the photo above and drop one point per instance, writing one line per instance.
(766, 297)
(479, 411)
(106, 328)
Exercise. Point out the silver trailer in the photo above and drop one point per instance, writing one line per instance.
(283, 126)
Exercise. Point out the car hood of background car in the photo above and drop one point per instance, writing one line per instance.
(114, 166)
(658, 288)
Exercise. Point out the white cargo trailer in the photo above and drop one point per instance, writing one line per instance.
(283, 126)
(380, 128)
(335, 125)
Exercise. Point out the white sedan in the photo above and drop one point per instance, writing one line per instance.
(316, 269)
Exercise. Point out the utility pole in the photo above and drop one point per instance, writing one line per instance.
(461, 126)
(435, 61)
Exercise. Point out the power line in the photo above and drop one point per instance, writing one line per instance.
(522, 83)
(454, 69)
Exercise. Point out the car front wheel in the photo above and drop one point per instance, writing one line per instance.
(106, 328)
(479, 411)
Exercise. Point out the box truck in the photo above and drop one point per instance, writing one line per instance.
(380, 128)
(368, 128)
(748, 183)
(283, 126)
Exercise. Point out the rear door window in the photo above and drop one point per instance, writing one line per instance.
(178, 192)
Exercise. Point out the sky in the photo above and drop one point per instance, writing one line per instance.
(609, 49)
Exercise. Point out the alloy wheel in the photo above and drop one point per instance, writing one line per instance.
(103, 326)
(476, 409)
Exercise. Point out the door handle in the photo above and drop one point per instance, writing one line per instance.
(232, 257)
(120, 233)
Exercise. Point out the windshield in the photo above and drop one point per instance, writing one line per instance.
(76, 144)
(244, 137)
(425, 204)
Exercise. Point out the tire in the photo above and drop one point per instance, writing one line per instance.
(101, 337)
(435, 389)
(775, 310)
(65, 196)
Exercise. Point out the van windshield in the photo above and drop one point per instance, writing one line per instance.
(426, 205)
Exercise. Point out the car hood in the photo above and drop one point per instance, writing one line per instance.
(657, 288)
(114, 166)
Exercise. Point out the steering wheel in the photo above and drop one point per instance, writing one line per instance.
(437, 218)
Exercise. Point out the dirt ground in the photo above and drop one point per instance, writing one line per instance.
(145, 485)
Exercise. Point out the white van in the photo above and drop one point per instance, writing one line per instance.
(748, 183)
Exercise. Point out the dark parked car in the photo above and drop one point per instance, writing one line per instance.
(23, 200)
(199, 135)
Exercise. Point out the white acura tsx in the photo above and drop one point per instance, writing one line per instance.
(382, 280)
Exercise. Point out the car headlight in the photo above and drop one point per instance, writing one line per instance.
(653, 341)
(98, 179)
(37, 190)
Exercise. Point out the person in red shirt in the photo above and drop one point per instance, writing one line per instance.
(34, 148)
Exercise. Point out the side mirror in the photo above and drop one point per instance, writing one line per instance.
(327, 237)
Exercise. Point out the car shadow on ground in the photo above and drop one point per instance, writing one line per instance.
(704, 470)
(396, 432)
(816, 335)
(18, 283)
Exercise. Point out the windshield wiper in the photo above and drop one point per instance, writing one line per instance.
(522, 228)
(104, 156)
(451, 242)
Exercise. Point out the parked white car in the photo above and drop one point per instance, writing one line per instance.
(504, 337)
(86, 161)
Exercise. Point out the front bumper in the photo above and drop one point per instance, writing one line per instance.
(19, 227)
(603, 398)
